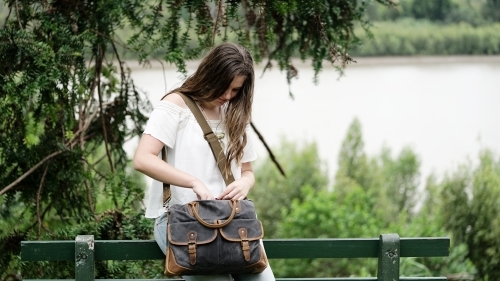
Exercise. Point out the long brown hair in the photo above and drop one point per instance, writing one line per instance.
(213, 77)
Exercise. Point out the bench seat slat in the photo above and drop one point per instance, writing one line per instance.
(275, 249)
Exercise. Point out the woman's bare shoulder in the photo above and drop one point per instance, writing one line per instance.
(175, 99)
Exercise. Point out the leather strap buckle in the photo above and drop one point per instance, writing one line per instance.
(192, 247)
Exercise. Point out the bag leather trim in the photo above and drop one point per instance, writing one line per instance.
(263, 262)
(187, 242)
(171, 265)
(225, 235)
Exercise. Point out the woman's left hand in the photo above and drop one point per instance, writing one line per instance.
(237, 190)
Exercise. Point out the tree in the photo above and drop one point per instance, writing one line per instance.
(322, 214)
(491, 10)
(401, 179)
(435, 10)
(471, 199)
(274, 193)
(352, 160)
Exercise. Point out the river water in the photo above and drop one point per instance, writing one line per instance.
(445, 108)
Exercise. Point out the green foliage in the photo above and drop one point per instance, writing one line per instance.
(491, 10)
(471, 210)
(401, 179)
(350, 217)
(273, 193)
(273, 30)
(371, 195)
(432, 27)
(107, 226)
(467, 11)
(321, 214)
(410, 37)
(352, 161)
(435, 10)
(393, 181)
(377, 13)
(476, 12)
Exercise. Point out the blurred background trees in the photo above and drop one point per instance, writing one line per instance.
(379, 194)
(433, 27)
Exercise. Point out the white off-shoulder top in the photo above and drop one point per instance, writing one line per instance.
(188, 151)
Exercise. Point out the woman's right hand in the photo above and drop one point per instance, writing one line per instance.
(202, 191)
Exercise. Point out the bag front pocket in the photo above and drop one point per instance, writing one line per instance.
(242, 241)
(189, 243)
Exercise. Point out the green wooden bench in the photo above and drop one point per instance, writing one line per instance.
(388, 249)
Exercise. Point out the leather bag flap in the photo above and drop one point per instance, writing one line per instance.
(253, 230)
(184, 233)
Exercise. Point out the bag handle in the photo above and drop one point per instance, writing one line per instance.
(213, 225)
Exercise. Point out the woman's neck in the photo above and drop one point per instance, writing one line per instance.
(212, 112)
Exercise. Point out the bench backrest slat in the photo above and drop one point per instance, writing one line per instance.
(275, 249)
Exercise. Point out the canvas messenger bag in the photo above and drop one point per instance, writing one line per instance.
(214, 237)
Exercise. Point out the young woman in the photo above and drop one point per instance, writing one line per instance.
(222, 86)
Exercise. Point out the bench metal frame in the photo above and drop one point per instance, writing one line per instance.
(389, 248)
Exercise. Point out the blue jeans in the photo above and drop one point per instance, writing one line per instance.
(160, 233)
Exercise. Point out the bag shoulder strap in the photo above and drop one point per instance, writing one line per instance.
(166, 186)
(210, 137)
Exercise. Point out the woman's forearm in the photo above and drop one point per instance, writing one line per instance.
(249, 177)
(156, 168)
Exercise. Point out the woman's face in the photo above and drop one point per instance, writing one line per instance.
(231, 91)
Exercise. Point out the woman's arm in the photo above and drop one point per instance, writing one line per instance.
(147, 162)
(239, 188)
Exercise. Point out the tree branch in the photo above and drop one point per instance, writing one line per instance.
(99, 59)
(17, 15)
(120, 63)
(109, 38)
(89, 197)
(8, 16)
(216, 22)
(38, 201)
(7, 188)
(268, 150)
(42, 215)
(101, 108)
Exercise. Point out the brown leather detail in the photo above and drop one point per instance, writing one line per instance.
(166, 186)
(236, 240)
(243, 233)
(262, 263)
(192, 247)
(194, 208)
(171, 266)
(238, 206)
(193, 205)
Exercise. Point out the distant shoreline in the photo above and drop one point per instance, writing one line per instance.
(360, 61)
